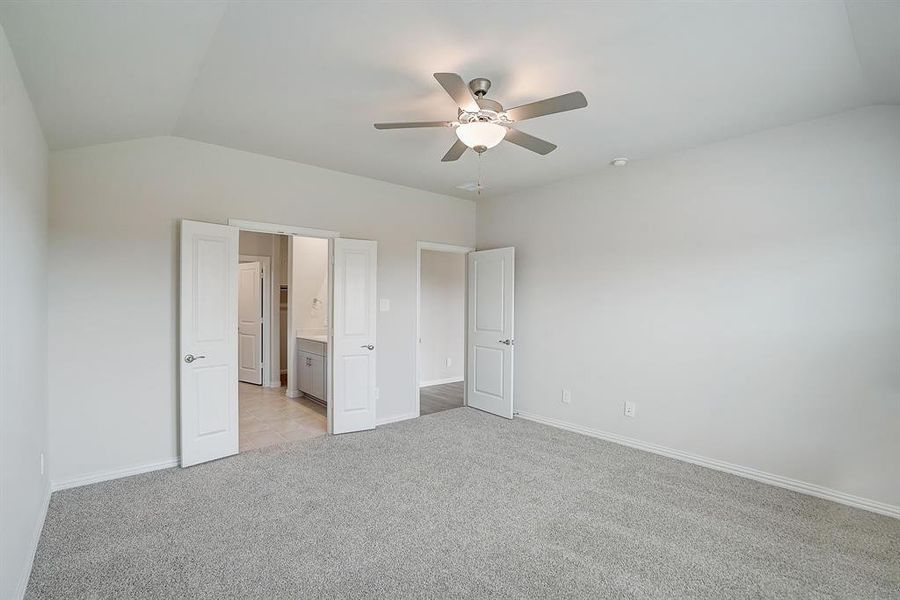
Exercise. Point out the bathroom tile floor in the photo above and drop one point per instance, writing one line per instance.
(268, 417)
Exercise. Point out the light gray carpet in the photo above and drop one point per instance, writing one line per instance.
(459, 504)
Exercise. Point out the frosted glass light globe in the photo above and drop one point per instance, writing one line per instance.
(478, 134)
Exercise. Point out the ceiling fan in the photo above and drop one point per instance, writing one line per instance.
(482, 123)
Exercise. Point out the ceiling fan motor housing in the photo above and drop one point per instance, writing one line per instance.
(491, 112)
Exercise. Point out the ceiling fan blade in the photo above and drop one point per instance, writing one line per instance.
(455, 151)
(529, 142)
(569, 101)
(413, 124)
(458, 90)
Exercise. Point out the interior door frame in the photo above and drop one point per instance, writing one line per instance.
(451, 249)
(291, 350)
(266, 263)
(291, 231)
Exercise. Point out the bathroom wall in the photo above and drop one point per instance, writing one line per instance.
(310, 280)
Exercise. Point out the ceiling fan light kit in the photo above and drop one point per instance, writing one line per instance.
(482, 123)
(480, 135)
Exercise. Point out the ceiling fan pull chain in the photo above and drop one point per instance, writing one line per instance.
(478, 185)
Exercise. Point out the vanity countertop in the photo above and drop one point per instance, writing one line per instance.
(314, 338)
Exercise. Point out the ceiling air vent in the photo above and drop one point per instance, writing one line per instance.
(470, 187)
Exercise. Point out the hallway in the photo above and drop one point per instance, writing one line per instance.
(437, 398)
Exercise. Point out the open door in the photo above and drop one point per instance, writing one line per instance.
(250, 322)
(208, 348)
(353, 370)
(489, 379)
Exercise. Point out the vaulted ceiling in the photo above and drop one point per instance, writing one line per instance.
(306, 80)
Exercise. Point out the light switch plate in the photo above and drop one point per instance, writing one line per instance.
(384, 305)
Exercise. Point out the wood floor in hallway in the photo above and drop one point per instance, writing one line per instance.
(437, 398)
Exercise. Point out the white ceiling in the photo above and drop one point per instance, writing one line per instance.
(306, 80)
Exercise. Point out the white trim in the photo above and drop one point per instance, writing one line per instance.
(329, 347)
(99, 476)
(282, 229)
(33, 545)
(719, 465)
(396, 419)
(292, 393)
(436, 247)
(266, 264)
(441, 381)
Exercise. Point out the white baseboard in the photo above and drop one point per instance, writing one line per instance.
(387, 420)
(99, 476)
(719, 465)
(292, 393)
(32, 549)
(440, 381)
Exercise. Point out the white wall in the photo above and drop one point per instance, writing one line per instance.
(254, 243)
(308, 311)
(746, 295)
(114, 212)
(442, 316)
(24, 490)
(310, 281)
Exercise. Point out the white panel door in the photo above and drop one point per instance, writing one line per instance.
(489, 378)
(208, 356)
(250, 322)
(353, 369)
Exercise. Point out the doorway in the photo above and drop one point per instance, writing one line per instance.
(441, 327)
(282, 301)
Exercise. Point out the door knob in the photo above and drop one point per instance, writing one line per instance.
(508, 342)
(369, 347)
(189, 358)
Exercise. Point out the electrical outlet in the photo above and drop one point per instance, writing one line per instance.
(384, 305)
(377, 393)
(630, 409)
(566, 396)
(42, 463)
(449, 362)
